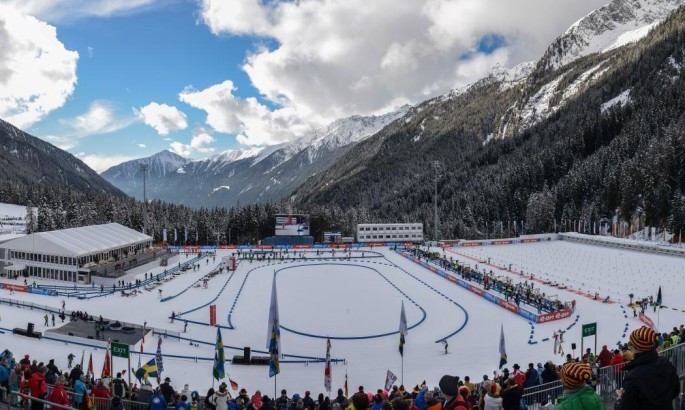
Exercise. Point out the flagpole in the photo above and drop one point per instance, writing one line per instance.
(402, 369)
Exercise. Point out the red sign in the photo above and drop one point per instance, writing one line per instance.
(16, 288)
(212, 315)
(508, 305)
(550, 317)
(265, 246)
(501, 242)
(646, 320)
(228, 246)
(302, 246)
(477, 291)
(531, 240)
(433, 269)
(233, 263)
(451, 278)
(408, 244)
(372, 244)
(470, 244)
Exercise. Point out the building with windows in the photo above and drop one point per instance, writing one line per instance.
(397, 232)
(72, 254)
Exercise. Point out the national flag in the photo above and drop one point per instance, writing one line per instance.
(327, 369)
(83, 354)
(234, 385)
(106, 368)
(390, 379)
(90, 366)
(403, 329)
(219, 358)
(159, 363)
(346, 383)
(273, 338)
(148, 370)
(658, 297)
(502, 349)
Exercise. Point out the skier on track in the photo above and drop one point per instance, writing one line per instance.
(445, 345)
(46, 319)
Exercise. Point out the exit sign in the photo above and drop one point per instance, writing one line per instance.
(590, 329)
(120, 350)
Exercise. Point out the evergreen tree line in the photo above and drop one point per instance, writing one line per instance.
(57, 207)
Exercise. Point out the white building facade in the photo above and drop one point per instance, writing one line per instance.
(69, 254)
(391, 232)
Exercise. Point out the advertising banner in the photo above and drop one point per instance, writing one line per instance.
(549, 317)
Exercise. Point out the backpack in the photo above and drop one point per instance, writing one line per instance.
(118, 387)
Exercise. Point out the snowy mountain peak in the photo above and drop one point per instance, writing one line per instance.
(613, 25)
(160, 164)
(339, 133)
(232, 155)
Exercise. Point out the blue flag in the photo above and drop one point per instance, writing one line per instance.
(147, 370)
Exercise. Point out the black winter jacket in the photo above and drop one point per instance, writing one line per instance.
(650, 383)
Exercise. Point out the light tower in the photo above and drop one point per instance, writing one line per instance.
(144, 168)
(436, 232)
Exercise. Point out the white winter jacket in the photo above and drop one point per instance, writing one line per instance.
(492, 403)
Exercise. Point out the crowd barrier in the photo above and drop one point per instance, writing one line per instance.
(528, 315)
(606, 381)
(506, 241)
(189, 248)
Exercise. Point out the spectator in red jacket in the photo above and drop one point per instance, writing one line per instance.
(617, 359)
(38, 387)
(58, 395)
(101, 391)
(604, 357)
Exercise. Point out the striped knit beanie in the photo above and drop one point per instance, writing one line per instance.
(574, 375)
(643, 339)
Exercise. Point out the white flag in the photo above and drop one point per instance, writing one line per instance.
(327, 369)
(390, 379)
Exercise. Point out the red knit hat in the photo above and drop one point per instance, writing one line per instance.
(643, 339)
(574, 375)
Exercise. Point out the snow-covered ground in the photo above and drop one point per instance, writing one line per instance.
(362, 297)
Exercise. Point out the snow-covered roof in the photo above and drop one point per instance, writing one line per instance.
(78, 241)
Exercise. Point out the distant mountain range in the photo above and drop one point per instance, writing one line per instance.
(246, 176)
(30, 160)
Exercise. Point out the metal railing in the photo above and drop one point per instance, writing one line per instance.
(607, 380)
(16, 400)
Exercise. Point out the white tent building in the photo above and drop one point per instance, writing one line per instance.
(69, 254)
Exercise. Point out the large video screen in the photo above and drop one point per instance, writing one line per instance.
(292, 225)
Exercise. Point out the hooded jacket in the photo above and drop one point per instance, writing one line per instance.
(650, 383)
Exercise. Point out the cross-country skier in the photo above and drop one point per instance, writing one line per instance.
(444, 344)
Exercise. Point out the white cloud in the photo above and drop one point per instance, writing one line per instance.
(37, 73)
(341, 57)
(142, 146)
(253, 122)
(68, 10)
(163, 118)
(200, 142)
(99, 119)
(90, 51)
(100, 163)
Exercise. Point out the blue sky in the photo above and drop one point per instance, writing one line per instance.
(112, 80)
(148, 56)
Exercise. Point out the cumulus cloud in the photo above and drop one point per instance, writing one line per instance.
(37, 73)
(67, 10)
(163, 118)
(101, 163)
(142, 146)
(342, 57)
(100, 118)
(253, 122)
(200, 142)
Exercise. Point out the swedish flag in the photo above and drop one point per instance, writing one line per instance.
(219, 358)
(147, 370)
